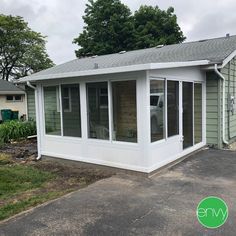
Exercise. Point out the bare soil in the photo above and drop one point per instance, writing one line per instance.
(25, 153)
(69, 175)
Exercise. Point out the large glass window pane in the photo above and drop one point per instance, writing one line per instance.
(197, 113)
(187, 114)
(52, 110)
(98, 122)
(124, 111)
(71, 110)
(173, 107)
(157, 109)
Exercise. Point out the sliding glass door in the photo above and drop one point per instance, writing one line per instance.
(192, 114)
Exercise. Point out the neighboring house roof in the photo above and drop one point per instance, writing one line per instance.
(7, 88)
(203, 52)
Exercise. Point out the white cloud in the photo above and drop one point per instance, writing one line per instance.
(62, 20)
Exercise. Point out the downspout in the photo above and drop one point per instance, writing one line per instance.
(229, 98)
(223, 112)
(31, 86)
(36, 105)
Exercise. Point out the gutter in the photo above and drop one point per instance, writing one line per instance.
(223, 112)
(37, 119)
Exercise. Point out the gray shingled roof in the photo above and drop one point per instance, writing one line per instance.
(6, 87)
(214, 50)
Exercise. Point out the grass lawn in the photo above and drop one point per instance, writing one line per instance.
(24, 184)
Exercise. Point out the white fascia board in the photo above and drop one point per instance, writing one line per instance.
(12, 93)
(229, 58)
(132, 68)
(87, 73)
(179, 64)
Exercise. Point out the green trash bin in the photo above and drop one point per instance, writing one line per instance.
(6, 114)
(15, 115)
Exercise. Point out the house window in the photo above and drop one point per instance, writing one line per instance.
(124, 111)
(71, 110)
(52, 115)
(157, 109)
(172, 108)
(98, 118)
(14, 98)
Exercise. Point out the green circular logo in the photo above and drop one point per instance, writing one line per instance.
(212, 212)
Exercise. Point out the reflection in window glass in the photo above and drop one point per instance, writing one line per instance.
(124, 111)
(71, 110)
(173, 108)
(157, 109)
(197, 113)
(98, 122)
(52, 115)
(66, 98)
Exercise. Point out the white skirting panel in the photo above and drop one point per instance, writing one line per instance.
(120, 155)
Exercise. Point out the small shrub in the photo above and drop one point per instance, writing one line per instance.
(16, 130)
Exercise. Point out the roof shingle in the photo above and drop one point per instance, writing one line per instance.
(215, 50)
(6, 86)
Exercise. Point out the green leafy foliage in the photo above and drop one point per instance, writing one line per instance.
(110, 27)
(154, 26)
(22, 50)
(15, 130)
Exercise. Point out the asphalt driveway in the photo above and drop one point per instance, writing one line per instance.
(131, 205)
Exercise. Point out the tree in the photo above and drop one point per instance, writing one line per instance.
(22, 50)
(108, 28)
(156, 27)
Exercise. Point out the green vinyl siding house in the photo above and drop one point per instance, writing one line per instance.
(137, 110)
(30, 103)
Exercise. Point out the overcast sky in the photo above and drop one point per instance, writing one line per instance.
(61, 20)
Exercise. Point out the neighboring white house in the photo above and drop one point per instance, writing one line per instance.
(137, 110)
(12, 97)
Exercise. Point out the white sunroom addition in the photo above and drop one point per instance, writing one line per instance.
(139, 121)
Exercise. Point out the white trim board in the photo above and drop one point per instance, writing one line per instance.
(229, 58)
(141, 67)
